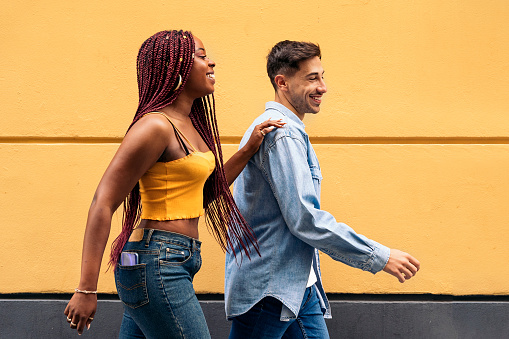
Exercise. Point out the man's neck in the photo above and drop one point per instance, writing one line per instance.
(281, 98)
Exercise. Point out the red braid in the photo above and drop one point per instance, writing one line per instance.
(165, 59)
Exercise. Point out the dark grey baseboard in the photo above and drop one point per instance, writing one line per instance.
(41, 316)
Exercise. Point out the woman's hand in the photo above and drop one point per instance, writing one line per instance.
(80, 311)
(259, 132)
(239, 160)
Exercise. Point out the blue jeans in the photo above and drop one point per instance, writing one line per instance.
(157, 293)
(262, 320)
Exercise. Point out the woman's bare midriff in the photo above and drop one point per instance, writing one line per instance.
(187, 227)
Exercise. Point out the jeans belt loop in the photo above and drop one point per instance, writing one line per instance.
(147, 242)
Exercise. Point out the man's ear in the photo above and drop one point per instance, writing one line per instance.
(281, 82)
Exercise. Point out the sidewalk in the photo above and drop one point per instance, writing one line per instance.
(357, 319)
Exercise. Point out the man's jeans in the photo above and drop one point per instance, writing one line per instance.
(262, 320)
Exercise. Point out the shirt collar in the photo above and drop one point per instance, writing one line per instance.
(285, 111)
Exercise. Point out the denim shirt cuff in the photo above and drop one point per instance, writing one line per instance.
(380, 257)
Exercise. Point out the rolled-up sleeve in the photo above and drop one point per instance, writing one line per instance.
(285, 166)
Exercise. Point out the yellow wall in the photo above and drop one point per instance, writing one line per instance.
(412, 136)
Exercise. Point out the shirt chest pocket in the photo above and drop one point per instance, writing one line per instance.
(316, 173)
(314, 167)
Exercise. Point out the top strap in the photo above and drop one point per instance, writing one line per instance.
(177, 132)
(181, 142)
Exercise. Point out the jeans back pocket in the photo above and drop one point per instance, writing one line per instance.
(132, 285)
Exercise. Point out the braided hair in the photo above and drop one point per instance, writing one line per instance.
(164, 60)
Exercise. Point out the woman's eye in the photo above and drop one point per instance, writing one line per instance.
(202, 57)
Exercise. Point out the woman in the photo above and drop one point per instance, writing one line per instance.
(167, 170)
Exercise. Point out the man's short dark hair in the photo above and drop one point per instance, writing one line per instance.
(285, 56)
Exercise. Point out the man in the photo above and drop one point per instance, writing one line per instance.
(280, 294)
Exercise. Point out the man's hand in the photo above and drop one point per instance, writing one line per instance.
(402, 265)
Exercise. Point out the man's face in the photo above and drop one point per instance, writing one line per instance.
(306, 87)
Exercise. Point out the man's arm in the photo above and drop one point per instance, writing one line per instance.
(285, 165)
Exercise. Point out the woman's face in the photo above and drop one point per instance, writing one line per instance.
(201, 78)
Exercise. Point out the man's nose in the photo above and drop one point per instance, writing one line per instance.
(322, 88)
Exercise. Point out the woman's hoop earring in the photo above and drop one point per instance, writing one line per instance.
(180, 83)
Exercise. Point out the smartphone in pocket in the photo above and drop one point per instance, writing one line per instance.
(128, 259)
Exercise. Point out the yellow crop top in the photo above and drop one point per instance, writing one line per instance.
(174, 189)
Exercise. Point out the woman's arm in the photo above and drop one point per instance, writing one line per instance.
(238, 161)
(140, 149)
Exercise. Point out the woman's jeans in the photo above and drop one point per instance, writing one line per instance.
(262, 320)
(157, 292)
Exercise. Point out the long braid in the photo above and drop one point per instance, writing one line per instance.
(223, 217)
(165, 59)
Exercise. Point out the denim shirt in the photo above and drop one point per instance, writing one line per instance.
(278, 193)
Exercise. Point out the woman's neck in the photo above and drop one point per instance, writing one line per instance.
(179, 109)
